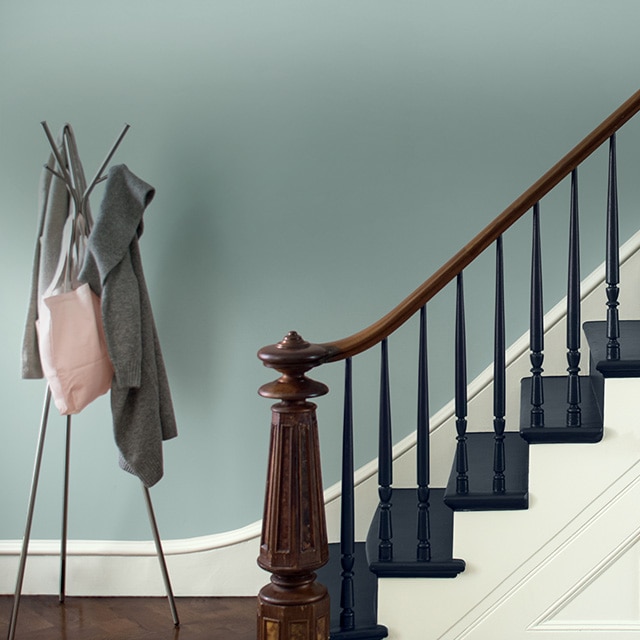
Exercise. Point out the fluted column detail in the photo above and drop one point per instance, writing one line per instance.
(294, 536)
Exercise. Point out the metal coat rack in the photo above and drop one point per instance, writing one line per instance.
(79, 192)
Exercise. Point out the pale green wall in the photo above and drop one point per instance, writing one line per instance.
(314, 162)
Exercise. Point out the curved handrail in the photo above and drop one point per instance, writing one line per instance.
(375, 333)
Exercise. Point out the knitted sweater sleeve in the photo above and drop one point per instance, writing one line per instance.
(120, 317)
(109, 271)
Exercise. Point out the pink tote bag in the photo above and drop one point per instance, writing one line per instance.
(71, 339)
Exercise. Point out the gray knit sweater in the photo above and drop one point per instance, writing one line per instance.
(141, 403)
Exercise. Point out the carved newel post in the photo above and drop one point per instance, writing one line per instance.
(294, 536)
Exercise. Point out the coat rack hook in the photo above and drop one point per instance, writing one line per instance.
(61, 163)
(55, 173)
(98, 177)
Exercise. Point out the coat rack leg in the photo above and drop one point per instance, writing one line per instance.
(27, 529)
(161, 559)
(65, 514)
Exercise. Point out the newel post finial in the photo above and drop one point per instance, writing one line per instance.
(294, 534)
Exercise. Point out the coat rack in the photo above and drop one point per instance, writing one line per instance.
(79, 192)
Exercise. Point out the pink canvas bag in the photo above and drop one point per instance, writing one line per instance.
(71, 339)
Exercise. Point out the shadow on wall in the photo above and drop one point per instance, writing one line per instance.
(189, 275)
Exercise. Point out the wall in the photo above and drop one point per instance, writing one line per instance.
(314, 162)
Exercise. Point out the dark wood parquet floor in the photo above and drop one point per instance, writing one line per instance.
(43, 618)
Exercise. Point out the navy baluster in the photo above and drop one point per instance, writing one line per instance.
(424, 544)
(612, 257)
(574, 413)
(385, 461)
(499, 376)
(536, 332)
(347, 527)
(462, 465)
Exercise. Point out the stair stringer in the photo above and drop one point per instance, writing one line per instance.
(523, 565)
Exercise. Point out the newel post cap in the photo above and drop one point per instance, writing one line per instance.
(293, 356)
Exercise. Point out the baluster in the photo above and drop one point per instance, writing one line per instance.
(574, 418)
(424, 544)
(347, 528)
(612, 257)
(294, 534)
(536, 332)
(499, 376)
(462, 465)
(385, 471)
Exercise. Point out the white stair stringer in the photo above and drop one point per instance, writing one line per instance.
(541, 572)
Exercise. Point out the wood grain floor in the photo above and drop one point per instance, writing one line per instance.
(43, 618)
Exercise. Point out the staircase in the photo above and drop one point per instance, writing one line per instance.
(545, 509)
(522, 565)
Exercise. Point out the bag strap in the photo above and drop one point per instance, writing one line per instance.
(78, 223)
(72, 250)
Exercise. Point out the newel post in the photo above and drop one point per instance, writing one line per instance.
(294, 534)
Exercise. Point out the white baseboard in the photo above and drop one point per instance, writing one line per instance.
(218, 565)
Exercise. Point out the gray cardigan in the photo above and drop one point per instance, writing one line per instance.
(141, 403)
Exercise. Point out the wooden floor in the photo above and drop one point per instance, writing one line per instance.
(43, 618)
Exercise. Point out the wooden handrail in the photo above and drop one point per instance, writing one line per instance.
(375, 333)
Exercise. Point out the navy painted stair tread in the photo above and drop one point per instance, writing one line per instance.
(481, 497)
(555, 411)
(404, 564)
(628, 364)
(365, 591)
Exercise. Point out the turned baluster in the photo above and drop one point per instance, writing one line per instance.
(294, 537)
(422, 445)
(574, 413)
(347, 509)
(499, 376)
(536, 332)
(612, 257)
(462, 464)
(385, 460)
